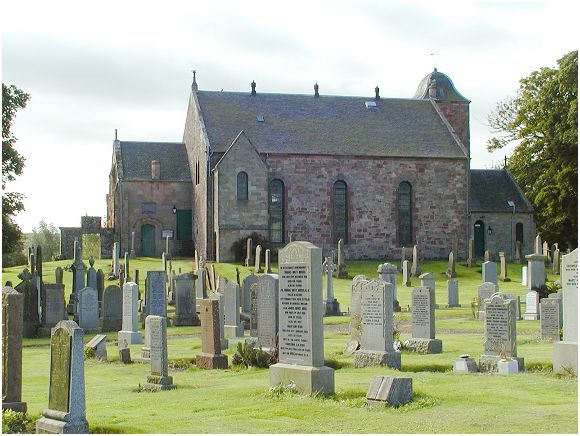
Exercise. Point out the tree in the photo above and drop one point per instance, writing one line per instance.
(13, 99)
(543, 119)
(48, 237)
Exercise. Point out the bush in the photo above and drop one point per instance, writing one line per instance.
(16, 422)
(239, 247)
(248, 356)
(14, 259)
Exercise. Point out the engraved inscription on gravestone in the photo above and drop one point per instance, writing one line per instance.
(372, 310)
(295, 341)
(421, 314)
(550, 319)
(60, 366)
(156, 348)
(497, 338)
(254, 310)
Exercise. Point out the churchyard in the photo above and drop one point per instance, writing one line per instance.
(239, 399)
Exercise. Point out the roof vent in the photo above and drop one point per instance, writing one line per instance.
(155, 170)
(260, 118)
(371, 104)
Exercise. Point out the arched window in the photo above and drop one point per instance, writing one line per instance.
(405, 214)
(276, 209)
(339, 212)
(242, 186)
(520, 232)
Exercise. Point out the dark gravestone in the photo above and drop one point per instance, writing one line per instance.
(185, 300)
(31, 318)
(53, 308)
(550, 319)
(211, 356)
(267, 287)
(112, 309)
(100, 284)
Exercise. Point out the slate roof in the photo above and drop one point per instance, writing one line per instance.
(445, 89)
(328, 125)
(492, 189)
(136, 159)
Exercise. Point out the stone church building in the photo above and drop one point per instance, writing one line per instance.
(380, 173)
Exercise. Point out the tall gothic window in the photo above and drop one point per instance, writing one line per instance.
(339, 212)
(405, 215)
(520, 232)
(242, 186)
(276, 209)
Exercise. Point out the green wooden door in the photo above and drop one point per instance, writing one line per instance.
(479, 237)
(148, 240)
(183, 225)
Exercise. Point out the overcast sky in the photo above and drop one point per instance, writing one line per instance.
(93, 67)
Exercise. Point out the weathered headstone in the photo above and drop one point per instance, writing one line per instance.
(184, 300)
(486, 256)
(145, 355)
(556, 262)
(115, 260)
(484, 292)
(98, 347)
(249, 259)
(376, 345)
(453, 293)
(389, 391)
(130, 332)
(66, 396)
(550, 319)
(159, 379)
(127, 277)
(423, 322)
(254, 312)
(546, 251)
(258, 264)
(30, 293)
(267, 261)
(406, 274)
(155, 296)
(12, 317)
(538, 246)
(565, 352)
(246, 284)
(53, 310)
(171, 293)
(451, 266)
(164, 261)
(428, 280)
(301, 340)
(224, 343)
(415, 268)
(132, 255)
(489, 272)
(470, 254)
(524, 276)
(58, 273)
(331, 304)
(532, 312)
(518, 303)
(112, 309)
(211, 356)
(200, 290)
(464, 364)
(342, 272)
(503, 274)
(232, 325)
(355, 314)
(267, 310)
(100, 284)
(88, 310)
(499, 333)
(124, 352)
(388, 273)
(518, 256)
(92, 274)
(536, 275)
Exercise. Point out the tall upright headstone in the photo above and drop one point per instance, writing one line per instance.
(66, 395)
(159, 379)
(342, 271)
(376, 346)
(267, 261)
(388, 273)
(221, 306)
(78, 269)
(423, 322)
(489, 272)
(246, 284)
(130, 331)
(451, 266)
(185, 300)
(415, 268)
(499, 333)
(92, 274)
(53, 309)
(331, 304)
(127, 277)
(115, 260)
(538, 246)
(453, 293)
(211, 356)
(486, 256)
(524, 276)
(100, 284)
(556, 262)
(28, 289)
(301, 340)
(112, 309)
(428, 280)
(58, 275)
(565, 353)
(532, 312)
(200, 290)
(254, 312)
(267, 310)
(546, 250)
(355, 314)
(155, 295)
(232, 325)
(132, 254)
(249, 252)
(12, 316)
(471, 254)
(518, 255)
(406, 274)
(550, 319)
(258, 264)
(88, 310)
(484, 292)
(503, 274)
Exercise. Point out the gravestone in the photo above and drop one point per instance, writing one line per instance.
(58, 274)
(516, 298)
(127, 276)
(232, 325)
(453, 293)
(406, 274)
(331, 304)
(484, 292)
(159, 379)
(211, 356)
(12, 325)
(98, 347)
(155, 295)
(355, 314)
(53, 310)
(246, 284)
(145, 355)
(428, 280)
(222, 282)
(489, 272)
(132, 255)
(124, 352)
(565, 352)
(171, 293)
(112, 309)
(66, 395)
(249, 259)
(78, 269)
(451, 266)
(423, 322)
(92, 274)
(342, 272)
(30, 293)
(258, 265)
(550, 319)
(388, 273)
(115, 260)
(556, 262)
(403, 255)
(164, 261)
(376, 344)
(253, 314)
(184, 300)
(301, 340)
(200, 291)
(499, 333)
(470, 254)
(390, 391)
(88, 310)
(486, 256)
(546, 251)
(503, 274)
(224, 343)
(558, 297)
(130, 333)
(267, 262)
(100, 284)
(518, 255)
(267, 310)
(464, 364)
(532, 312)
(415, 268)
(536, 275)
(524, 276)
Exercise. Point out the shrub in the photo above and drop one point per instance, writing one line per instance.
(16, 422)
(249, 356)
(239, 247)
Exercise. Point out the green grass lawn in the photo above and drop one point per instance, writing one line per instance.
(237, 401)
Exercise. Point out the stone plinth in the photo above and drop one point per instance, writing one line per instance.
(464, 365)
(390, 391)
(424, 346)
(309, 379)
(508, 367)
(364, 358)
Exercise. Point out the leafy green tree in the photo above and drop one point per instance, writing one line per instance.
(543, 119)
(48, 237)
(13, 99)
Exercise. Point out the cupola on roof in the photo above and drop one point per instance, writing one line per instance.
(440, 87)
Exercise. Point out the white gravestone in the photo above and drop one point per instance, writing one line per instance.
(423, 322)
(130, 332)
(232, 326)
(159, 379)
(532, 312)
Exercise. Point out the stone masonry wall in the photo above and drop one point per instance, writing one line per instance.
(458, 116)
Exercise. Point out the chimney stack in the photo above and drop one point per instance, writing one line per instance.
(155, 170)
(316, 94)
(253, 85)
(377, 96)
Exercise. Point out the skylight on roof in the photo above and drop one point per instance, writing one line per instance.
(371, 104)
(260, 118)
